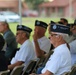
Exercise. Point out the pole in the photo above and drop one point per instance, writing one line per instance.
(20, 12)
(70, 8)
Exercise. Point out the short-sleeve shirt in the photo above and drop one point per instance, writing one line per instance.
(25, 54)
(60, 61)
(73, 51)
(44, 44)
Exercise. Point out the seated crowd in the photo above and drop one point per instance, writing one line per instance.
(62, 41)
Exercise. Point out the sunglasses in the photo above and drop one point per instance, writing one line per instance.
(53, 34)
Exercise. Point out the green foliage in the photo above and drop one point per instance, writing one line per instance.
(34, 3)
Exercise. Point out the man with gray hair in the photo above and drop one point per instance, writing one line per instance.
(9, 38)
(41, 43)
(26, 51)
(60, 61)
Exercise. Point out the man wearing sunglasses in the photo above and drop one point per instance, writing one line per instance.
(60, 61)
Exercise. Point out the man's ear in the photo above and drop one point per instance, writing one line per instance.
(23, 35)
(59, 37)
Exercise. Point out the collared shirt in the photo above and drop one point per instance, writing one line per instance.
(60, 61)
(44, 44)
(73, 51)
(25, 54)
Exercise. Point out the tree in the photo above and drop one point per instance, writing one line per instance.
(33, 4)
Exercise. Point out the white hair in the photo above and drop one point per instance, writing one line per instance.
(63, 35)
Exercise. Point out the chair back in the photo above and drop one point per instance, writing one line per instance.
(30, 67)
(66, 73)
(17, 70)
(42, 61)
(4, 72)
(73, 71)
(47, 57)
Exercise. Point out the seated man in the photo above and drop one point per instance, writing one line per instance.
(26, 51)
(40, 41)
(3, 61)
(60, 61)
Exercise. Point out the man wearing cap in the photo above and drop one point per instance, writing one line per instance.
(26, 51)
(40, 41)
(60, 61)
(9, 38)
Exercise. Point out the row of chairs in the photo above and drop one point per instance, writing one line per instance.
(30, 68)
(34, 64)
(16, 71)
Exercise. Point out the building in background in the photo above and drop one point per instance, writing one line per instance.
(58, 8)
(11, 5)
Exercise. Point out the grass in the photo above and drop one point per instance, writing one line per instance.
(30, 23)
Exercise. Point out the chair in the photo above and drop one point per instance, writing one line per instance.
(42, 61)
(4, 72)
(66, 73)
(30, 67)
(47, 57)
(17, 70)
(73, 71)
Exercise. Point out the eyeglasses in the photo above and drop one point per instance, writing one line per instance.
(19, 33)
(53, 34)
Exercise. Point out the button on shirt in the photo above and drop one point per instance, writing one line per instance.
(44, 44)
(25, 54)
(73, 51)
(60, 61)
